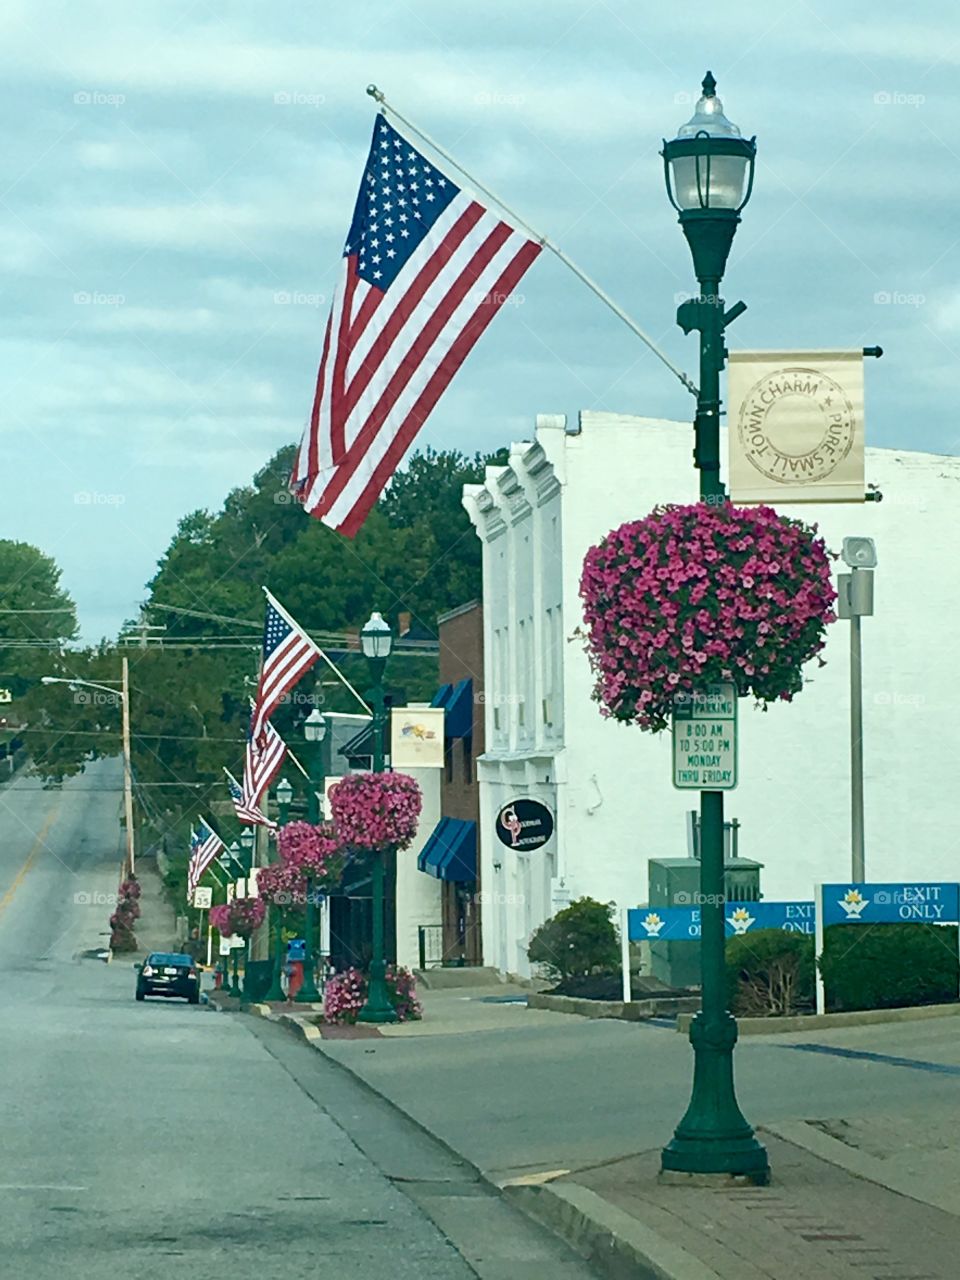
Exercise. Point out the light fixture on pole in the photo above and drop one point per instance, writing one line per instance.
(284, 796)
(708, 170)
(855, 601)
(376, 641)
(314, 731)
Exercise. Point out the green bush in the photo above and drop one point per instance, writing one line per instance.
(579, 940)
(770, 973)
(888, 966)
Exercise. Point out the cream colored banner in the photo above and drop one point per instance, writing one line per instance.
(416, 737)
(795, 426)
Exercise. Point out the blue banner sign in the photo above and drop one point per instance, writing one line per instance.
(673, 924)
(891, 903)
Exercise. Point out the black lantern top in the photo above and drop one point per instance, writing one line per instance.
(709, 165)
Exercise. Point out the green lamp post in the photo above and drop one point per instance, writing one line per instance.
(376, 641)
(709, 175)
(276, 992)
(246, 844)
(314, 731)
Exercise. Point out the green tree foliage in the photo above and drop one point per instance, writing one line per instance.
(578, 941)
(37, 617)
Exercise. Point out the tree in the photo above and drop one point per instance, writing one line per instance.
(37, 617)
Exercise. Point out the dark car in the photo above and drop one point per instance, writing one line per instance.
(168, 974)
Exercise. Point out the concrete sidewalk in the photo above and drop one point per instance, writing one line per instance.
(875, 1195)
(156, 930)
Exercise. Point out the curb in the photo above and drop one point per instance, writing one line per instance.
(825, 1021)
(608, 1238)
(595, 1230)
(804, 1134)
(626, 1011)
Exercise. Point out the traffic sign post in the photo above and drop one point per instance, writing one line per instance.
(705, 739)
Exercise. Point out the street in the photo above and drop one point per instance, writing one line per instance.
(167, 1139)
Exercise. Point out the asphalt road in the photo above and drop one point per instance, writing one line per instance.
(161, 1139)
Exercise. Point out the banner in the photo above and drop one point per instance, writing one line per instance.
(672, 924)
(795, 426)
(416, 738)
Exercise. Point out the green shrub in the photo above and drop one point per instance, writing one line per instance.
(888, 966)
(770, 973)
(579, 940)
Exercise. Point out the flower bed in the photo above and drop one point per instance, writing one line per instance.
(698, 595)
(345, 995)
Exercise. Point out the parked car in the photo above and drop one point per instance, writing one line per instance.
(168, 974)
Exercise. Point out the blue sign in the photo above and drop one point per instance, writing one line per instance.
(891, 903)
(672, 924)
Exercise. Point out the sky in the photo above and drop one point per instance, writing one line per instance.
(179, 180)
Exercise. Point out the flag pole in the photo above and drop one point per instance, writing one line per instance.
(545, 241)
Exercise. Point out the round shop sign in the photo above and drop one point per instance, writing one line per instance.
(524, 824)
(796, 425)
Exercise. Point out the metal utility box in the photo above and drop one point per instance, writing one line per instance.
(675, 882)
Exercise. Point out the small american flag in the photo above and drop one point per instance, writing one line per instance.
(245, 812)
(205, 844)
(288, 652)
(425, 268)
(265, 754)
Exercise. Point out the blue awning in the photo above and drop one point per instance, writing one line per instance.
(451, 852)
(457, 702)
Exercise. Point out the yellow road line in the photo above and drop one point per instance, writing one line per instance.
(31, 858)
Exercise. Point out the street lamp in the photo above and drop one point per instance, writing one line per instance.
(123, 693)
(376, 641)
(284, 796)
(284, 792)
(314, 731)
(708, 169)
(247, 841)
(855, 601)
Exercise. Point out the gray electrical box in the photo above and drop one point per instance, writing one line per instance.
(675, 882)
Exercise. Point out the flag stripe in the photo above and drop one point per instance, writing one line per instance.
(425, 383)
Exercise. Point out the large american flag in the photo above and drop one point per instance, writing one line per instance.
(205, 844)
(425, 268)
(288, 652)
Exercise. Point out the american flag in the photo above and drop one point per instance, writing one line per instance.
(205, 844)
(288, 652)
(425, 268)
(265, 754)
(245, 812)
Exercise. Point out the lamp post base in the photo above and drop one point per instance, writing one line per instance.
(308, 993)
(713, 1139)
(378, 1007)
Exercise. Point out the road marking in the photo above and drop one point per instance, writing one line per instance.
(31, 858)
(887, 1059)
(38, 1186)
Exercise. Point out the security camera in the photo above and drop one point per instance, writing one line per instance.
(859, 553)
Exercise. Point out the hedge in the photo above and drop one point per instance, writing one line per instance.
(889, 966)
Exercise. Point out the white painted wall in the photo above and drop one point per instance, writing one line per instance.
(418, 895)
(615, 804)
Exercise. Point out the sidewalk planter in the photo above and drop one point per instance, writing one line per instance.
(627, 1011)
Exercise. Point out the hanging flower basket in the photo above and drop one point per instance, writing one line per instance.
(242, 916)
(697, 595)
(282, 885)
(313, 851)
(376, 810)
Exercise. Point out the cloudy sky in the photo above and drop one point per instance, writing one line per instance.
(179, 179)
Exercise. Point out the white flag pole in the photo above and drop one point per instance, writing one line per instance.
(332, 665)
(625, 953)
(547, 243)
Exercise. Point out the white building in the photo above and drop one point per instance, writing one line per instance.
(609, 785)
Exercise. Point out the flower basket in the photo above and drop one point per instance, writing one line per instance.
(243, 916)
(376, 811)
(312, 851)
(698, 595)
(283, 886)
(345, 995)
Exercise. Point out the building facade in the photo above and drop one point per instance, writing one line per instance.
(608, 785)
